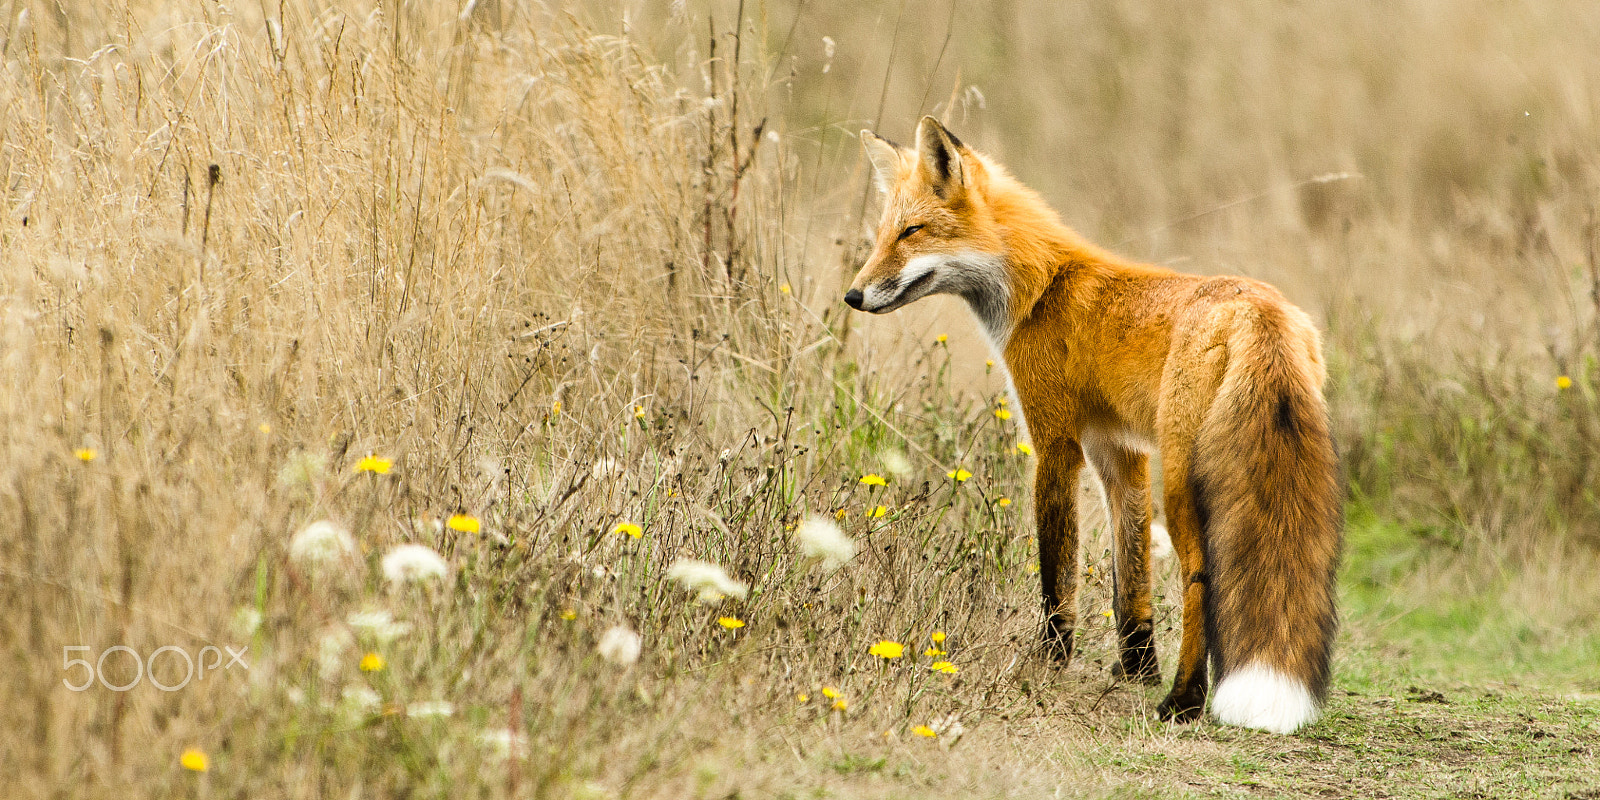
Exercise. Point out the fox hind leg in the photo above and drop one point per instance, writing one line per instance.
(1187, 700)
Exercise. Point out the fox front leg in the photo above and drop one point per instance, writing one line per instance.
(1055, 489)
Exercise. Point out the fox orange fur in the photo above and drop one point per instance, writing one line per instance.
(1109, 362)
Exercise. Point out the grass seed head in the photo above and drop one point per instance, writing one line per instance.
(620, 645)
(413, 563)
(822, 539)
(708, 580)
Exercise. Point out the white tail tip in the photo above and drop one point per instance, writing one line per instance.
(1258, 696)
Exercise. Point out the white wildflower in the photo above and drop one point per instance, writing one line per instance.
(413, 562)
(620, 645)
(949, 729)
(431, 708)
(708, 579)
(246, 621)
(1160, 542)
(821, 538)
(331, 649)
(322, 542)
(378, 624)
(357, 702)
(896, 463)
(302, 469)
(504, 743)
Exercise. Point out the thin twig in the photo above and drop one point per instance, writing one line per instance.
(213, 177)
(1327, 178)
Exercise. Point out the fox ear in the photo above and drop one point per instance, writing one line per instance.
(885, 158)
(939, 154)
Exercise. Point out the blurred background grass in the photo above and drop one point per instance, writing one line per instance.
(575, 265)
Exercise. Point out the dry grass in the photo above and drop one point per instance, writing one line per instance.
(558, 271)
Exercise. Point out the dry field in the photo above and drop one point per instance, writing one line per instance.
(404, 348)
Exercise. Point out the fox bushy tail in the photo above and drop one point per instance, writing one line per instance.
(1268, 492)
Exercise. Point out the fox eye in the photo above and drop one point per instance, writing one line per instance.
(910, 229)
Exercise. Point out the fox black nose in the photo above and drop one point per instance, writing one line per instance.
(852, 299)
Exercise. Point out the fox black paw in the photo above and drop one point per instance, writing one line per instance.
(1145, 671)
(1058, 641)
(1138, 657)
(1186, 707)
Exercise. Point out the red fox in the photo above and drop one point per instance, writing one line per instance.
(1109, 361)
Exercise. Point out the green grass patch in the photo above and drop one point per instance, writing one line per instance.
(1458, 613)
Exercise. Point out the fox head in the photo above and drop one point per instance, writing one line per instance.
(937, 234)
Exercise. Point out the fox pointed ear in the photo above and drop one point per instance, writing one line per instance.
(885, 158)
(939, 156)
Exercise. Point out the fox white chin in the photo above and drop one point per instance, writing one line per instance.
(1261, 697)
(978, 278)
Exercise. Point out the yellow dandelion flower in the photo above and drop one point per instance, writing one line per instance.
(803, 697)
(373, 464)
(938, 636)
(1563, 382)
(877, 512)
(841, 514)
(1000, 401)
(555, 409)
(1003, 502)
(1089, 570)
(85, 454)
(840, 705)
(873, 479)
(958, 474)
(941, 338)
(887, 649)
(1024, 449)
(989, 363)
(466, 523)
(264, 428)
(924, 731)
(629, 528)
(785, 288)
(372, 662)
(568, 614)
(934, 651)
(1002, 414)
(194, 759)
(944, 666)
(638, 412)
(1107, 613)
(730, 622)
(830, 693)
